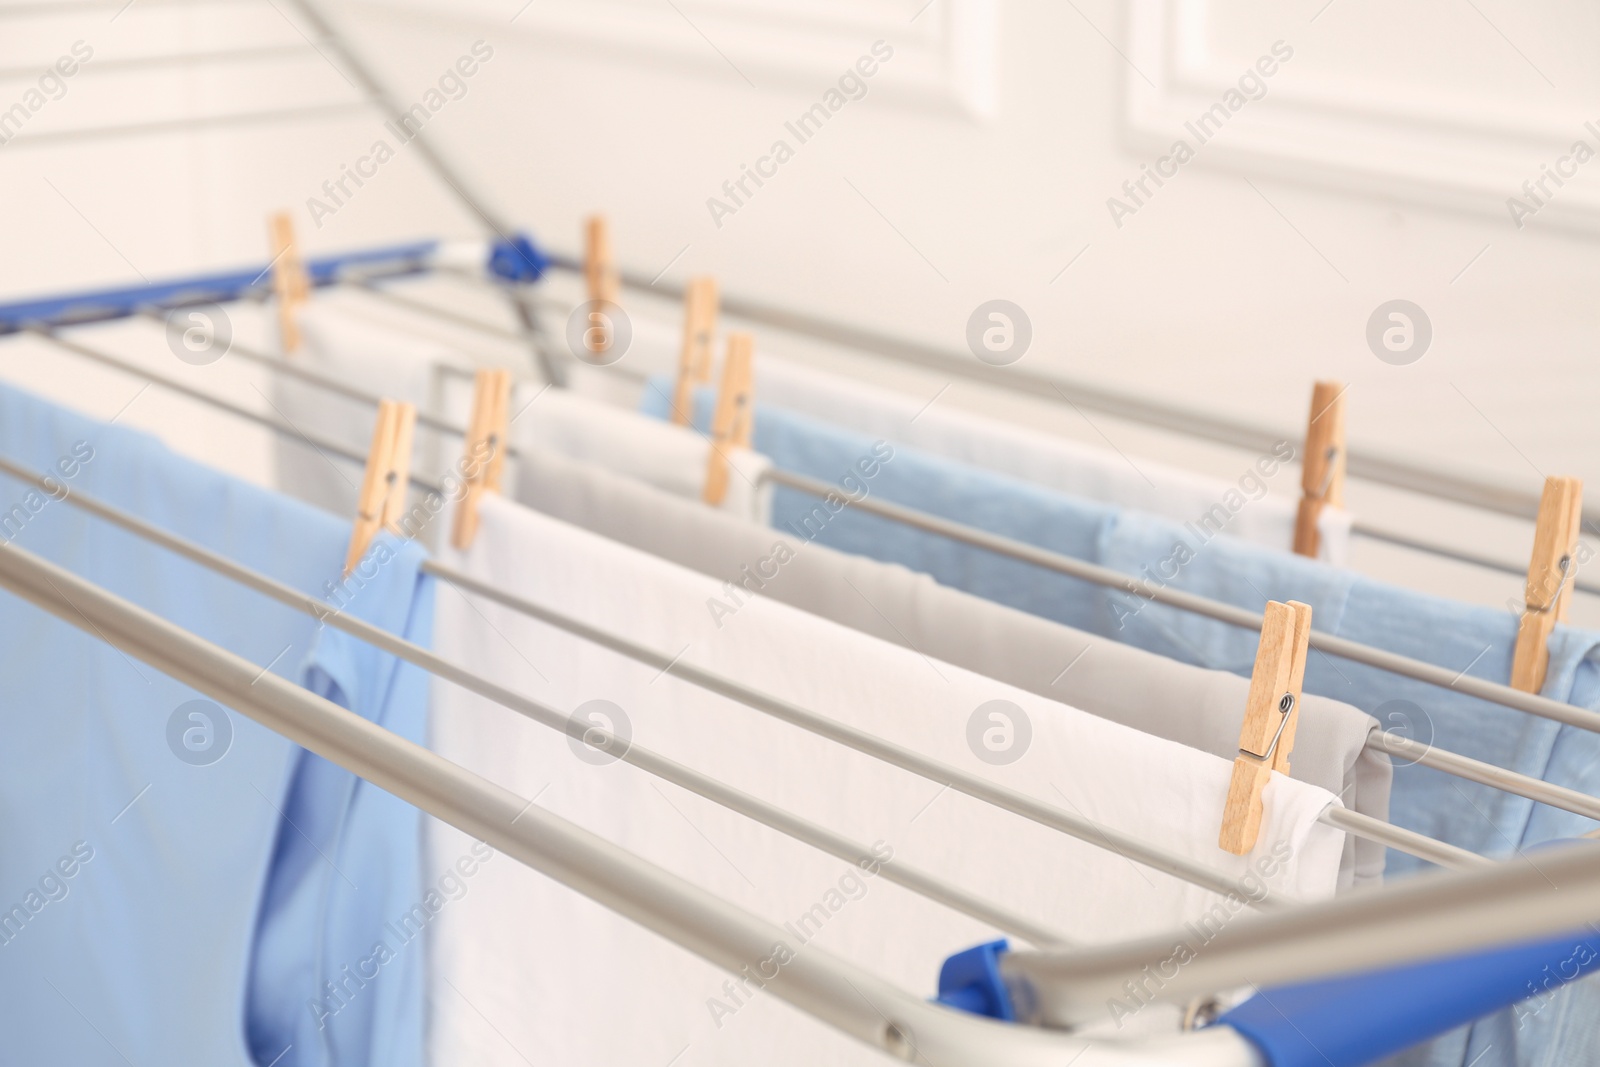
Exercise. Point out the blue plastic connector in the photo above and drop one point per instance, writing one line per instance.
(517, 259)
(970, 981)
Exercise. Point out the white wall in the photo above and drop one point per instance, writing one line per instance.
(978, 165)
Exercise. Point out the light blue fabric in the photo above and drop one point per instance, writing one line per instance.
(1476, 640)
(206, 903)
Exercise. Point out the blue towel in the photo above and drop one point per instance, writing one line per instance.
(1476, 640)
(177, 881)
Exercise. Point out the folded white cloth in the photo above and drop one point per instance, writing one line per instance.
(671, 458)
(528, 971)
(1240, 508)
(1196, 707)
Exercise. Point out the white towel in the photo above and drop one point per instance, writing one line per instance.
(528, 971)
(1240, 508)
(671, 458)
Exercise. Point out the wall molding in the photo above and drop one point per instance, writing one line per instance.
(1436, 149)
(944, 57)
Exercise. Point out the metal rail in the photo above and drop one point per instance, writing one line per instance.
(1494, 692)
(1438, 915)
(839, 993)
(1373, 533)
(1425, 917)
(1451, 857)
(1408, 841)
(1557, 796)
(803, 830)
(1359, 529)
(1455, 486)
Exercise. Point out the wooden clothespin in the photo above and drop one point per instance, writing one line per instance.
(694, 358)
(603, 282)
(1271, 714)
(486, 448)
(1551, 571)
(290, 284)
(733, 423)
(388, 475)
(1322, 465)
(599, 268)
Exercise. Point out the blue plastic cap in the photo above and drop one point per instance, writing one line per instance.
(1310, 1024)
(517, 259)
(970, 981)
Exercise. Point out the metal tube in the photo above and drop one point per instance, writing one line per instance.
(291, 433)
(1443, 914)
(1486, 774)
(1020, 804)
(682, 776)
(1442, 853)
(1359, 528)
(833, 990)
(1425, 917)
(454, 317)
(869, 744)
(1417, 845)
(1532, 703)
(1363, 530)
(488, 329)
(1455, 486)
(1422, 847)
(326, 382)
(668, 770)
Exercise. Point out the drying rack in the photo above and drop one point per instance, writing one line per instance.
(1445, 916)
(1040, 993)
(1056, 981)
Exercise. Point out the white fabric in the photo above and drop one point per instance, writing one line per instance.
(1082, 470)
(1052, 461)
(671, 458)
(375, 358)
(1199, 708)
(527, 971)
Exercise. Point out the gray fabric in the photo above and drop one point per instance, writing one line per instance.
(1191, 705)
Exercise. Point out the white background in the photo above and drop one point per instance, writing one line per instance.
(978, 166)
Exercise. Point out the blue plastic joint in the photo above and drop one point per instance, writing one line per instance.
(517, 259)
(970, 981)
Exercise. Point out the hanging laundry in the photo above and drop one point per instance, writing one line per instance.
(379, 358)
(1241, 508)
(184, 885)
(1477, 641)
(527, 970)
(346, 342)
(1161, 696)
(671, 458)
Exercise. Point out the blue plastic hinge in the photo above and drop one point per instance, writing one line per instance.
(517, 259)
(970, 981)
